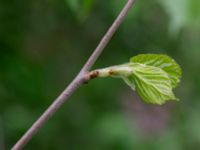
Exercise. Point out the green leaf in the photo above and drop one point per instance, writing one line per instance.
(152, 84)
(153, 76)
(164, 62)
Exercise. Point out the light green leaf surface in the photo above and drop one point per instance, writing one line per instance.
(152, 76)
(152, 84)
(164, 62)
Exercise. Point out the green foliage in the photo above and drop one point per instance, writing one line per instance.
(182, 13)
(81, 8)
(152, 84)
(163, 62)
(153, 76)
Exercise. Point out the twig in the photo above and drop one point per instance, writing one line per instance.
(79, 80)
(108, 35)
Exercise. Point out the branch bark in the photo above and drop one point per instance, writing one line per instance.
(82, 77)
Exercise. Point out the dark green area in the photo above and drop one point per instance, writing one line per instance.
(43, 44)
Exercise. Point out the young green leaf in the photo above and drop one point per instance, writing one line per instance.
(162, 61)
(152, 84)
(152, 76)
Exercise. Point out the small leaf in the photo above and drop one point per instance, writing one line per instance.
(152, 76)
(162, 61)
(152, 84)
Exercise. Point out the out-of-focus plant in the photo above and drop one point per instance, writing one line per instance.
(182, 13)
(80, 7)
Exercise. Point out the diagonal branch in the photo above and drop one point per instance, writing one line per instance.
(79, 80)
(108, 35)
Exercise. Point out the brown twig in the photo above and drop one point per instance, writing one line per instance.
(79, 80)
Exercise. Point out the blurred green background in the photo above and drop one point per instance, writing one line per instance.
(44, 43)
